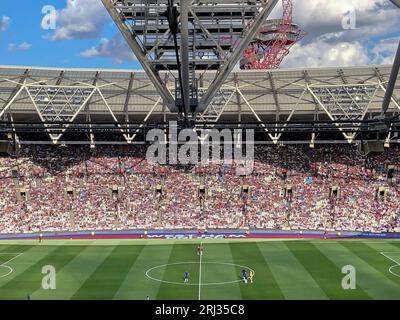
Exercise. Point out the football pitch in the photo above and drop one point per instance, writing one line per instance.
(135, 269)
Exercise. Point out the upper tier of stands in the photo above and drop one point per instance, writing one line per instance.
(52, 188)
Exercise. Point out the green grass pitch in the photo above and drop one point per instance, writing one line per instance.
(134, 269)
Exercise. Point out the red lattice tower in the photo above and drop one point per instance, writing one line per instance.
(272, 42)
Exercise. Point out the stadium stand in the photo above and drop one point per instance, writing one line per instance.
(53, 188)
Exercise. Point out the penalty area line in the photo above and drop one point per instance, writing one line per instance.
(17, 254)
(394, 260)
(385, 254)
(5, 264)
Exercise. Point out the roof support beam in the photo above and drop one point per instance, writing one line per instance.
(276, 100)
(392, 82)
(248, 35)
(10, 102)
(151, 72)
(256, 115)
(54, 137)
(207, 33)
(238, 97)
(341, 75)
(278, 136)
(17, 90)
(274, 93)
(128, 97)
(145, 119)
(396, 2)
(348, 137)
(60, 78)
(184, 6)
(392, 99)
(126, 136)
(87, 109)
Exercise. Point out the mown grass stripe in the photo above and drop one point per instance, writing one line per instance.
(76, 272)
(30, 279)
(107, 278)
(396, 248)
(7, 256)
(384, 246)
(293, 279)
(219, 273)
(341, 257)
(4, 249)
(324, 271)
(14, 249)
(383, 284)
(395, 243)
(30, 256)
(136, 285)
(174, 273)
(265, 285)
(391, 250)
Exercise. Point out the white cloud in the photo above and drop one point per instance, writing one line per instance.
(327, 43)
(384, 51)
(322, 54)
(22, 46)
(80, 19)
(322, 17)
(4, 23)
(115, 48)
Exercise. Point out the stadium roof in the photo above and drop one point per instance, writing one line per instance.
(53, 94)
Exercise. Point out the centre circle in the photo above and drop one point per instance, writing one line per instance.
(393, 272)
(218, 274)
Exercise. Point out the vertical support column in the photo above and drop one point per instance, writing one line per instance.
(128, 97)
(87, 111)
(396, 2)
(392, 82)
(184, 18)
(126, 104)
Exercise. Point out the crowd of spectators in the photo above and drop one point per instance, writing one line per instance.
(332, 187)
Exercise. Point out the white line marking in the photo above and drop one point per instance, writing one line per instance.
(17, 255)
(201, 255)
(4, 264)
(395, 261)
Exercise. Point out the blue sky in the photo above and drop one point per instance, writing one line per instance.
(85, 36)
(25, 26)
